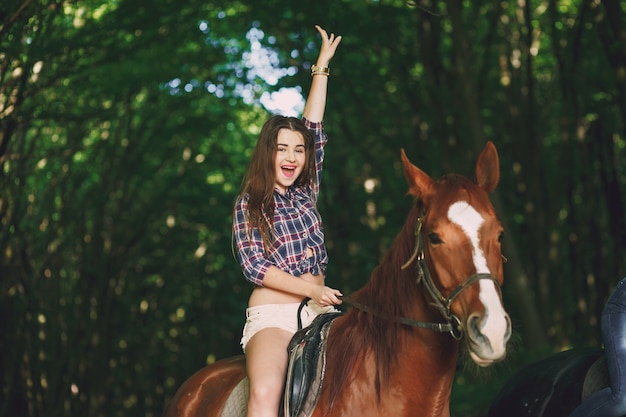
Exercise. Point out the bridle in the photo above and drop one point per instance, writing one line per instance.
(453, 324)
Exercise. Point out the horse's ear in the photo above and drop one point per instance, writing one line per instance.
(488, 168)
(420, 183)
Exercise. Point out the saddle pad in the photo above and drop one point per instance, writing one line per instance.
(237, 403)
(597, 378)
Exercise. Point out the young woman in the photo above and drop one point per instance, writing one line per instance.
(279, 238)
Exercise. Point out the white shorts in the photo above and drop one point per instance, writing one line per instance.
(282, 316)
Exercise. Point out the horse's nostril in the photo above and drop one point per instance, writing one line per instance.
(474, 325)
(509, 329)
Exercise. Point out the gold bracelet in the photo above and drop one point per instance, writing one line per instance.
(315, 70)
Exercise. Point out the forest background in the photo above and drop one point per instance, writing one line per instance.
(126, 127)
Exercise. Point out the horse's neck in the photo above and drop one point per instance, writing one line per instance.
(421, 377)
(378, 364)
(422, 373)
(436, 353)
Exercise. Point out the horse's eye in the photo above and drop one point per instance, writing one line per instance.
(434, 238)
(501, 237)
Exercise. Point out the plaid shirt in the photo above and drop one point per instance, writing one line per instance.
(297, 227)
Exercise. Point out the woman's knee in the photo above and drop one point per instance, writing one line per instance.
(267, 390)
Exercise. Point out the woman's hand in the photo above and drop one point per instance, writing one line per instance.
(329, 46)
(325, 296)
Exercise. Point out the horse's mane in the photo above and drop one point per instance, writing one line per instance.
(363, 332)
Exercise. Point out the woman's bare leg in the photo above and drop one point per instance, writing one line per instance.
(266, 365)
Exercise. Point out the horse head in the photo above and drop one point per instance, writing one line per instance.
(459, 244)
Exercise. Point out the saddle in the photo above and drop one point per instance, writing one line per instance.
(305, 371)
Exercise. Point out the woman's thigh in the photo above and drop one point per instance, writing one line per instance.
(266, 357)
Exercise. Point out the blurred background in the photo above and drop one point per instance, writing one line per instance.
(126, 127)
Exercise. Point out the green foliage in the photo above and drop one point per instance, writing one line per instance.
(126, 127)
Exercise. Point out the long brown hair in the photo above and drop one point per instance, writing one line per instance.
(258, 183)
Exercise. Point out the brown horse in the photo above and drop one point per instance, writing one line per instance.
(395, 352)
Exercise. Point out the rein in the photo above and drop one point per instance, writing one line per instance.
(453, 324)
(438, 327)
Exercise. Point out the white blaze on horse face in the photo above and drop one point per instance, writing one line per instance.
(468, 219)
(495, 325)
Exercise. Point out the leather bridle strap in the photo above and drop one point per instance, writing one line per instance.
(438, 327)
(444, 303)
(476, 277)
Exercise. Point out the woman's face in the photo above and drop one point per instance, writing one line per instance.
(289, 160)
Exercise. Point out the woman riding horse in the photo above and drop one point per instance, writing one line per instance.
(396, 352)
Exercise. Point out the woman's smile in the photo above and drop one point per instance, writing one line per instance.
(290, 158)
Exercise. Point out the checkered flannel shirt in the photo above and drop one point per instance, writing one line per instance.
(297, 227)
